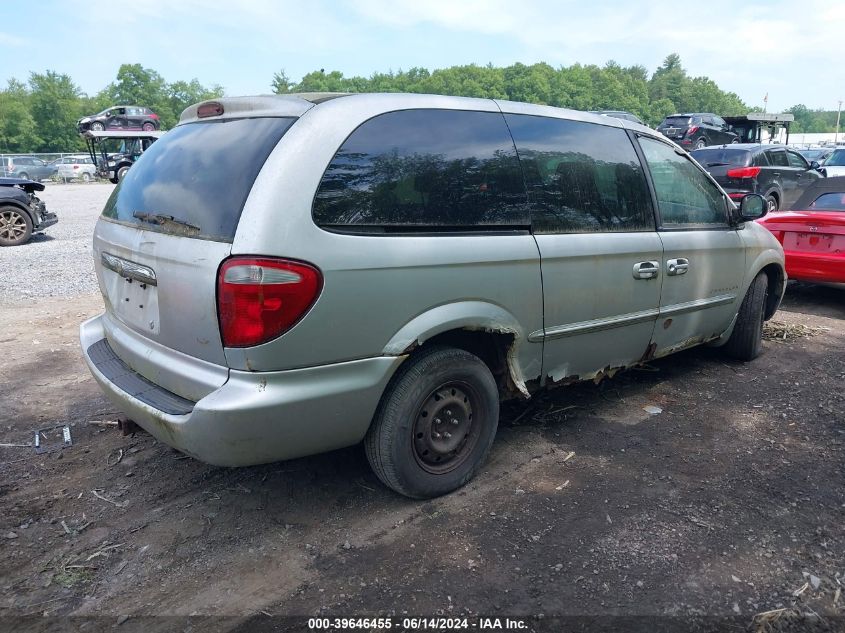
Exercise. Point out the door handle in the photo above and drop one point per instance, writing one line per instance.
(677, 266)
(646, 270)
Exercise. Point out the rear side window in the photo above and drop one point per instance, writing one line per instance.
(685, 196)
(200, 174)
(424, 169)
(581, 177)
(761, 160)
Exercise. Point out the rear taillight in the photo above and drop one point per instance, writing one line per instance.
(692, 130)
(259, 299)
(743, 172)
(154, 116)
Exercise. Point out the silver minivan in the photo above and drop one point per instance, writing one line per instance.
(287, 275)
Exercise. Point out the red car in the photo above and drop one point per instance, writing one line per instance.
(813, 232)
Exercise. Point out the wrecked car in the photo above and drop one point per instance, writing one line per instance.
(288, 275)
(22, 213)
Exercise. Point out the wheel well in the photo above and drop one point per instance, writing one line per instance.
(776, 281)
(490, 347)
(20, 207)
(774, 194)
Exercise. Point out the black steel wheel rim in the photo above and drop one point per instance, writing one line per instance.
(447, 427)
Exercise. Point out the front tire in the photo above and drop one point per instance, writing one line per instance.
(746, 341)
(435, 424)
(96, 126)
(15, 226)
(121, 173)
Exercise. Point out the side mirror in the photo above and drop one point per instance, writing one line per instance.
(814, 164)
(752, 207)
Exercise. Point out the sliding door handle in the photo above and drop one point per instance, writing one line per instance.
(646, 270)
(678, 266)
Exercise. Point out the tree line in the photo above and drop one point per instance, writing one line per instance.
(40, 115)
(581, 87)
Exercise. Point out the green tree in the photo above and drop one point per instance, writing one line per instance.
(281, 83)
(17, 127)
(55, 108)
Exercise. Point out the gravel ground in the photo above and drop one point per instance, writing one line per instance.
(57, 262)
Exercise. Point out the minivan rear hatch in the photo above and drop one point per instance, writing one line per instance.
(165, 231)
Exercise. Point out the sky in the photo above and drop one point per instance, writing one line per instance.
(788, 50)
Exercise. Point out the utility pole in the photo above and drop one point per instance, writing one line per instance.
(838, 114)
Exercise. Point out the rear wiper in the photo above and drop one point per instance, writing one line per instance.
(160, 219)
(717, 164)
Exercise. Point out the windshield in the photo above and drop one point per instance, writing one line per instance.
(198, 174)
(837, 159)
(715, 157)
(829, 202)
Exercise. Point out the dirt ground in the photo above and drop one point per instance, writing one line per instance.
(728, 503)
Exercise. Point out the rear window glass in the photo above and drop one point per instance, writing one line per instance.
(424, 170)
(829, 202)
(676, 121)
(717, 157)
(200, 174)
(581, 177)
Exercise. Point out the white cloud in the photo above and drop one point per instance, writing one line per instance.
(12, 40)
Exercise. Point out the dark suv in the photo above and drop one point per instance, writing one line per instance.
(696, 130)
(773, 171)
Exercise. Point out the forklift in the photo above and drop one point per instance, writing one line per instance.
(750, 126)
(127, 148)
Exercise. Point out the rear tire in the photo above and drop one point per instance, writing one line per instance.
(148, 127)
(435, 423)
(23, 175)
(772, 204)
(15, 226)
(86, 177)
(700, 143)
(746, 341)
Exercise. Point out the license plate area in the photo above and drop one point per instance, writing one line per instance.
(133, 302)
(812, 242)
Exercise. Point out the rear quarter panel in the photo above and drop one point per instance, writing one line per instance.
(374, 286)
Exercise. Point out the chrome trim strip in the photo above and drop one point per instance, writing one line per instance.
(129, 270)
(697, 304)
(594, 325)
(597, 325)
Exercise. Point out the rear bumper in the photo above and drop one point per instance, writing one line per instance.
(815, 267)
(254, 417)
